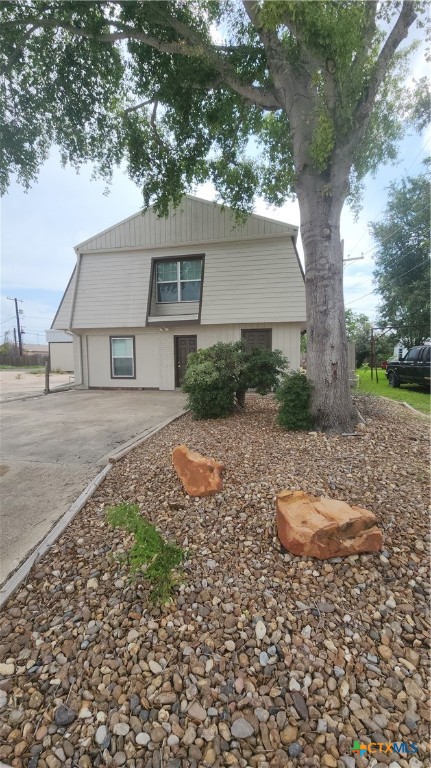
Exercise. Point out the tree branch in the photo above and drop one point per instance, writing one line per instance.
(261, 97)
(369, 30)
(278, 65)
(398, 33)
(136, 107)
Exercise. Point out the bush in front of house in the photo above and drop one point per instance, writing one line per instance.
(210, 391)
(264, 368)
(218, 377)
(294, 394)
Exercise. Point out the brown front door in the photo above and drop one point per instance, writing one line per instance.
(183, 346)
(257, 337)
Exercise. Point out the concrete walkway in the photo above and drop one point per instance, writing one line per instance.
(53, 445)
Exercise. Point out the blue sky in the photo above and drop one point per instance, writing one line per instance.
(40, 228)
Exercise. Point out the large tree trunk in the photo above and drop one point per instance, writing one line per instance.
(320, 205)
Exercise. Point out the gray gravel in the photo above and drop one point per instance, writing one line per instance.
(263, 659)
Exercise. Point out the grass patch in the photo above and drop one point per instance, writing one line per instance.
(150, 554)
(408, 393)
(23, 368)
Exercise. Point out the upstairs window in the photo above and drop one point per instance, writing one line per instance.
(178, 281)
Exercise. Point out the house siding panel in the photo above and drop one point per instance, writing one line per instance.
(243, 282)
(77, 361)
(112, 290)
(155, 351)
(246, 281)
(61, 356)
(62, 319)
(195, 220)
(146, 354)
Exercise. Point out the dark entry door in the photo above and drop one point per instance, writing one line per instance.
(184, 345)
(257, 337)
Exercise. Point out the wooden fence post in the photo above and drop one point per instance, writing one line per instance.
(46, 390)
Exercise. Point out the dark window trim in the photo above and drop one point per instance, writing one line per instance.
(258, 330)
(116, 378)
(177, 260)
(175, 318)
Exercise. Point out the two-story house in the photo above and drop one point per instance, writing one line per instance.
(148, 291)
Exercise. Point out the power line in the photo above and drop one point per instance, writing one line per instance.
(400, 226)
(370, 250)
(7, 321)
(407, 171)
(391, 263)
(390, 281)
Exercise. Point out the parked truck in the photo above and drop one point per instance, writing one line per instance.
(413, 368)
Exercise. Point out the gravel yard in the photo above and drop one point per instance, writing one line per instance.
(264, 659)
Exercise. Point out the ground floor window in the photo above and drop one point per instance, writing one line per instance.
(122, 357)
(260, 338)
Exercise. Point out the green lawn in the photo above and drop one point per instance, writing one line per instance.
(408, 393)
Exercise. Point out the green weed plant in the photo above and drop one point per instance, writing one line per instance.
(150, 554)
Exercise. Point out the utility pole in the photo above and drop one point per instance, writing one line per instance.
(18, 326)
(357, 258)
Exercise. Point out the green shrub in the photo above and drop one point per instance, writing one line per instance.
(218, 377)
(264, 368)
(210, 391)
(156, 558)
(294, 397)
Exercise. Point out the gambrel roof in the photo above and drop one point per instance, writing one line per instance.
(251, 270)
(194, 221)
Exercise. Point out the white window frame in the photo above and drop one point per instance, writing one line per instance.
(132, 357)
(178, 281)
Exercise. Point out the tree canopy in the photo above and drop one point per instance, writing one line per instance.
(178, 89)
(268, 97)
(402, 273)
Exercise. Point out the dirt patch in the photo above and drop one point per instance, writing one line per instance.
(21, 382)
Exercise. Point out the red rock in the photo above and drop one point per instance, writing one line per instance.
(323, 528)
(199, 475)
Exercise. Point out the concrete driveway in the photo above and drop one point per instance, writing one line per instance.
(53, 445)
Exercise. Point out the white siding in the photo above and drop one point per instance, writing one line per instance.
(77, 362)
(112, 290)
(155, 351)
(253, 282)
(61, 355)
(285, 337)
(175, 310)
(146, 360)
(245, 281)
(85, 359)
(62, 317)
(194, 221)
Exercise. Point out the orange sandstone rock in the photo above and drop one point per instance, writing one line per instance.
(200, 476)
(323, 528)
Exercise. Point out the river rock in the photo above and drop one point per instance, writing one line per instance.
(241, 729)
(199, 475)
(324, 528)
(64, 716)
